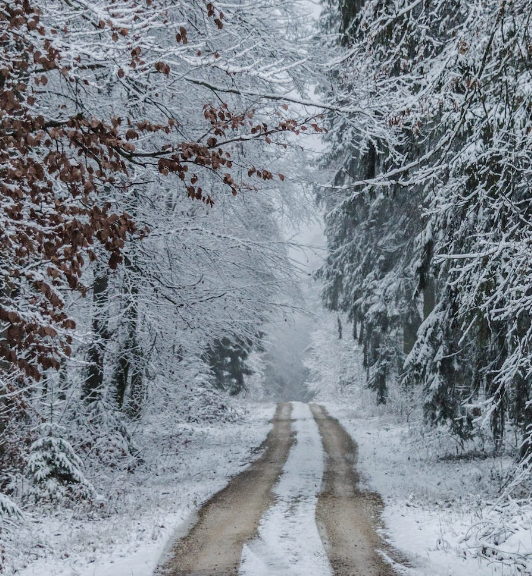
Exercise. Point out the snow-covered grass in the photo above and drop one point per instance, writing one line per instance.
(439, 506)
(288, 542)
(127, 532)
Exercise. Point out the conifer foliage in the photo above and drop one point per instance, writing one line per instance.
(428, 212)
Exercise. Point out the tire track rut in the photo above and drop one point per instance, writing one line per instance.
(347, 517)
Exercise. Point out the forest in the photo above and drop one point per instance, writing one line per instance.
(207, 208)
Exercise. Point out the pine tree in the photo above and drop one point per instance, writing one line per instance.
(227, 360)
(369, 272)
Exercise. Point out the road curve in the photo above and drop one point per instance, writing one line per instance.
(346, 516)
(231, 517)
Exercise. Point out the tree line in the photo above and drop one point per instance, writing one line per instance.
(428, 207)
(142, 153)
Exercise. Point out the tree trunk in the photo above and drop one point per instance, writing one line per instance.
(128, 379)
(429, 297)
(93, 385)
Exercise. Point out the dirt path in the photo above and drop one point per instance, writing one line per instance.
(347, 517)
(214, 545)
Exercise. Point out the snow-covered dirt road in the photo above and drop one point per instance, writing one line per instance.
(231, 517)
(296, 511)
(347, 516)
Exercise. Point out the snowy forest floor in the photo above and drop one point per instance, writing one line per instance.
(129, 535)
(435, 508)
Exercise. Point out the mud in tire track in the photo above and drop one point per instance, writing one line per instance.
(348, 518)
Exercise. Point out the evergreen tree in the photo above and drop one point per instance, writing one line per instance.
(371, 231)
(227, 360)
(428, 214)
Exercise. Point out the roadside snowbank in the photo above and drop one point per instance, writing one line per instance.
(130, 535)
(434, 507)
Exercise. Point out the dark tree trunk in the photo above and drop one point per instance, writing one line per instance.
(93, 385)
(128, 380)
(429, 297)
(410, 329)
(121, 375)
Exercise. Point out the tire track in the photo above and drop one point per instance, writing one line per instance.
(347, 517)
(288, 541)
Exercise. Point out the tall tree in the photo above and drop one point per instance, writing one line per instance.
(115, 117)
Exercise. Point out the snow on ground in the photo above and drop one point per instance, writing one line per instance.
(432, 504)
(288, 542)
(155, 506)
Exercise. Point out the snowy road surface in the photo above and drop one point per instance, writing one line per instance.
(296, 511)
(288, 541)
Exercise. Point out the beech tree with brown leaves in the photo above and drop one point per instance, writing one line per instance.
(142, 153)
